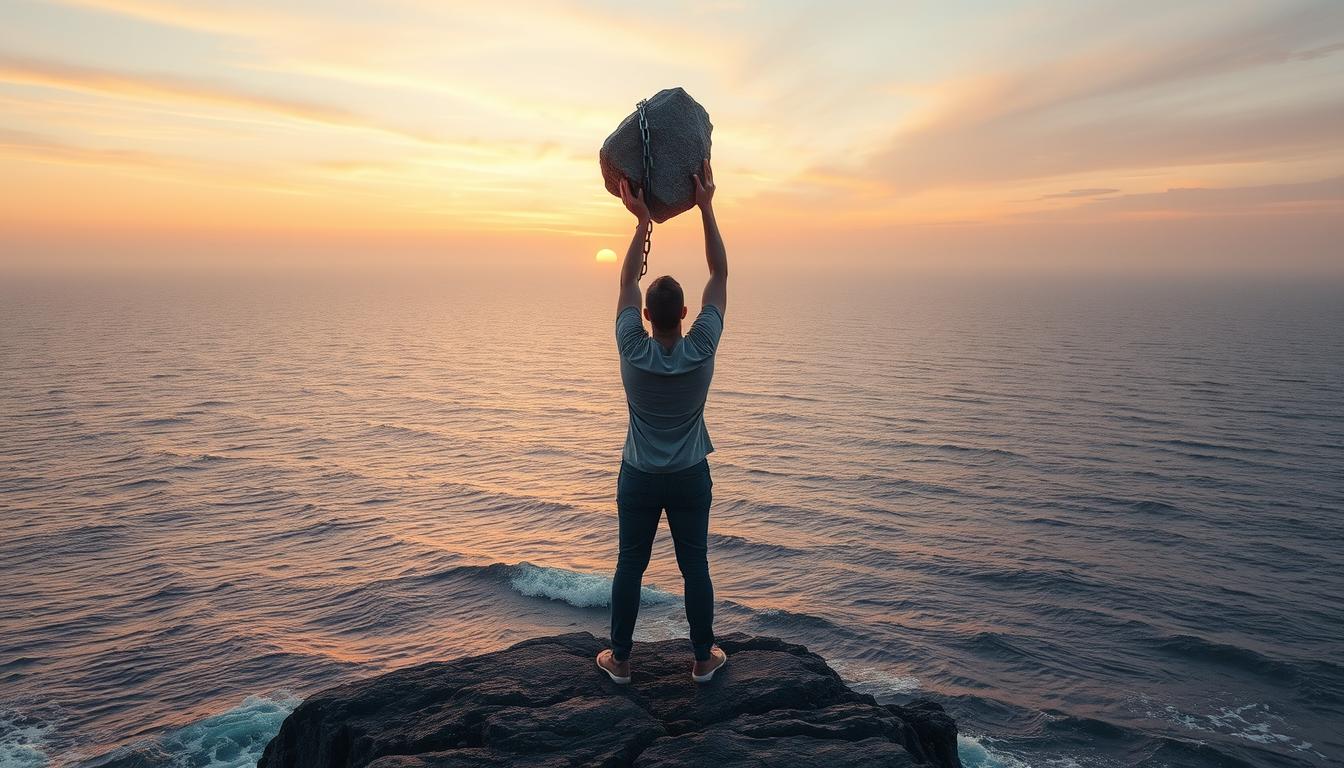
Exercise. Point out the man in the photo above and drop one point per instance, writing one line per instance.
(663, 465)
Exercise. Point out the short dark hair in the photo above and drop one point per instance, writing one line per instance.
(664, 300)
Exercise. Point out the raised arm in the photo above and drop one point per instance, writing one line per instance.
(716, 290)
(634, 256)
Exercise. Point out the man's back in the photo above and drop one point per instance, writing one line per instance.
(666, 389)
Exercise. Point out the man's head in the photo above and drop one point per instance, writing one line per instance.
(664, 304)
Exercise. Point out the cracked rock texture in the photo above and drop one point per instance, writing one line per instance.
(679, 131)
(544, 703)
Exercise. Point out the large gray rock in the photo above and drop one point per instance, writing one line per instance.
(679, 131)
(543, 703)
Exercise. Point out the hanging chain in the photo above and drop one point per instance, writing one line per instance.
(648, 171)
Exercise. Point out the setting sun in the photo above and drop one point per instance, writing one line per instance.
(606, 255)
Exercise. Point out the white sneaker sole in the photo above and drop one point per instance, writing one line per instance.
(615, 678)
(705, 678)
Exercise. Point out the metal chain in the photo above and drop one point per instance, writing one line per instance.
(648, 171)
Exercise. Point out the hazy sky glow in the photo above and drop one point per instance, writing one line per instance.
(1208, 134)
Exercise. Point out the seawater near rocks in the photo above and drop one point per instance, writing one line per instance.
(543, 703)
(679, 139)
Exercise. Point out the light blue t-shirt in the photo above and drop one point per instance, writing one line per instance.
(665, 391)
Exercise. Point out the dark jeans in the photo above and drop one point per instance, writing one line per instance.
(641, 498)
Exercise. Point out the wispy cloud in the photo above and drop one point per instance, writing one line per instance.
(1074, 193)
(1007, 153)
(214, 18)
(175, 90)
(23, 144)
(1113, 107)
(1263, 198)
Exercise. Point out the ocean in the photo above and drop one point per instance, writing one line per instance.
(1097, 518)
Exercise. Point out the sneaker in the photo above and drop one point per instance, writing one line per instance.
(608, 663)
(715, 653)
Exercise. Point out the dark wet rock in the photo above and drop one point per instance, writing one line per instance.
(543, 703)
(679, 131)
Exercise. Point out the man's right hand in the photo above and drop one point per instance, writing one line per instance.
(634, 203)
(704, 187)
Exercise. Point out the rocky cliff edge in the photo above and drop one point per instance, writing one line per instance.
(543, 703)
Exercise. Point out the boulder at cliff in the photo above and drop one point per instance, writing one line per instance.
(679, 131)
(544, 703)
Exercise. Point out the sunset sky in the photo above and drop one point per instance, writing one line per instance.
(1207, 135)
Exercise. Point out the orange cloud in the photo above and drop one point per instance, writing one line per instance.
(1270, 199)
(172, 89)
(27, 145)
(230, 18)
(1109, 108)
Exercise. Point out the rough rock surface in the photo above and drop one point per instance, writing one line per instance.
(544, 703)
(679, 131)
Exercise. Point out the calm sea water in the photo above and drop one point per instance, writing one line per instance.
(1100, 522)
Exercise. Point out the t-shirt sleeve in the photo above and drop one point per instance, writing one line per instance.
(706, 330)
(630, 331)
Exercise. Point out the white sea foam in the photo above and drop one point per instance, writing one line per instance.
(974, 753)
(653, 626)
(22, 742)
(1253, 722)
(866, 678)
(581, 590)
(231, 739)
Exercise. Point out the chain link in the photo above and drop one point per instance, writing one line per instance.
(648, 172)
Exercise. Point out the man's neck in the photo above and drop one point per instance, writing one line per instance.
(668, 339)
